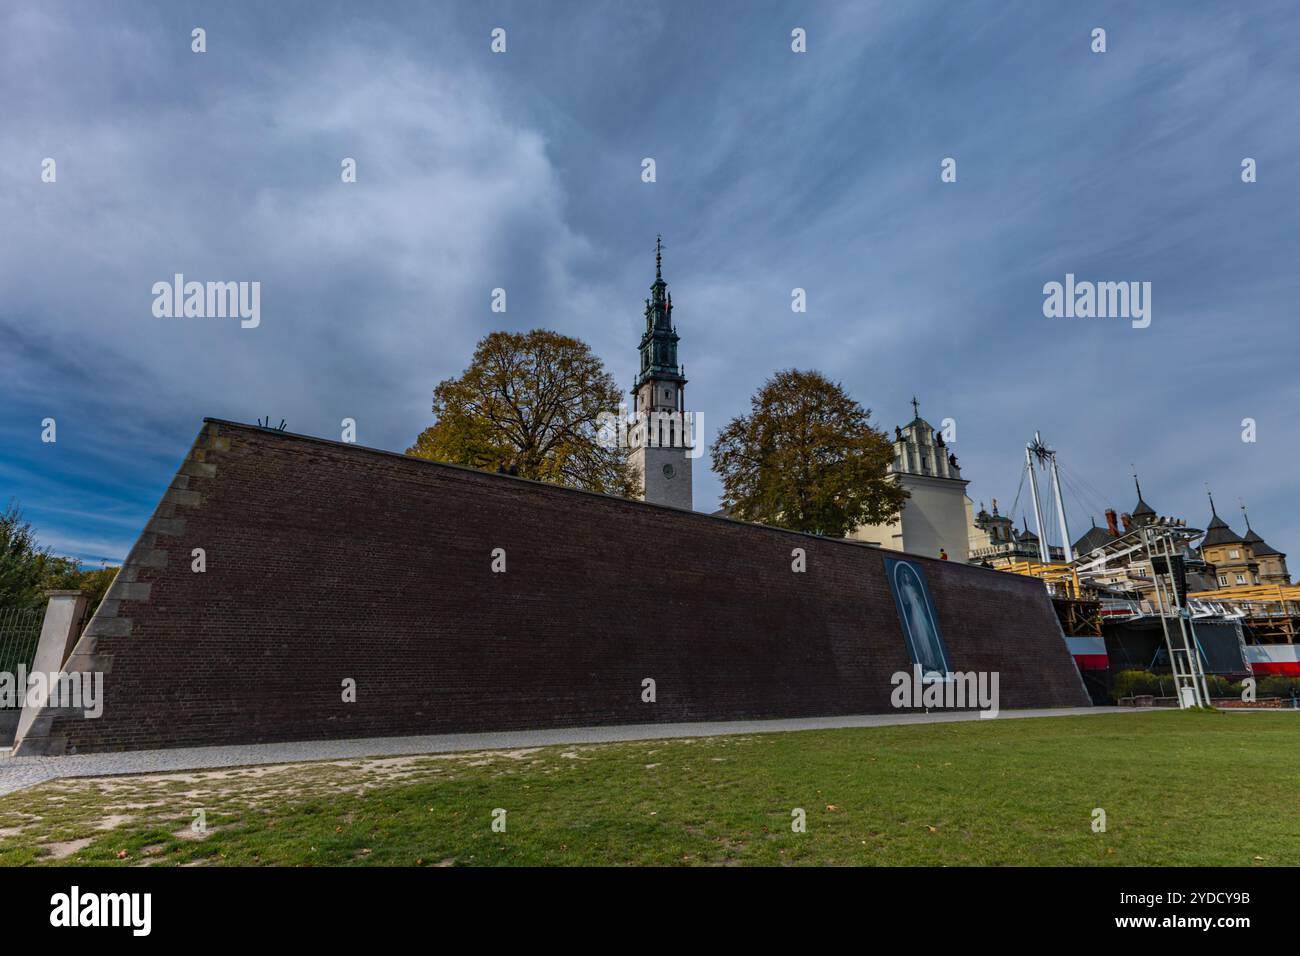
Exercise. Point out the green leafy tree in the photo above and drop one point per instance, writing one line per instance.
(806, 458)
(96, 583)
(22, 563)
(28, 571)
(534, 397)
(65, 574)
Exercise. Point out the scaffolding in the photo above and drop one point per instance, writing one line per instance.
(1184, 650)
(1271, 612)
(1077, 610)
(1061, 579)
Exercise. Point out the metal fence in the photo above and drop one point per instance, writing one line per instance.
(20, 631)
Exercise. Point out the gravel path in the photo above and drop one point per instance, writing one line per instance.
(19, 772)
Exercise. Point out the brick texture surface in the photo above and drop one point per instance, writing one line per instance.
(327, 561)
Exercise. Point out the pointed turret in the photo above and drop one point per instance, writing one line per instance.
(1143, 512)
(1258, 546)
(1218, 531)
(1026, 535)
(659, 341)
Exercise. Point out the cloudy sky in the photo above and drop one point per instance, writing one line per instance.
(775, 170)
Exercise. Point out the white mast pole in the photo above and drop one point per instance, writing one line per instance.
(1038, 508)
(1060, 510)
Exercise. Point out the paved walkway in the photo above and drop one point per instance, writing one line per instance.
(17, 773)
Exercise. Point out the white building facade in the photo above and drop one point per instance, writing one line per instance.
(936, 519)
(660, 450)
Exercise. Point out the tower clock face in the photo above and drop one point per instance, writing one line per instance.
(669, 471)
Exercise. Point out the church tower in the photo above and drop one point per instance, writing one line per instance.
(660, 439)
(936, 518)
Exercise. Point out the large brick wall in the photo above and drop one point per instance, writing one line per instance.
(328, 561)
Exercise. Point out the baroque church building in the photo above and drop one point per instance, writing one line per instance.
(936, 519)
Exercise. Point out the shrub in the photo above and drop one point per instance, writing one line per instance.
(1135, 683)
(1278, 686)
(1219, 686)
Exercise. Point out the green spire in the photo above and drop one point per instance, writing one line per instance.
(659, 341)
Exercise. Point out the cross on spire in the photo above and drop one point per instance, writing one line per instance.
(659, 257)
(916, 408)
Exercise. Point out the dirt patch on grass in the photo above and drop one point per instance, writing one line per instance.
(57, 851)
(62, 817)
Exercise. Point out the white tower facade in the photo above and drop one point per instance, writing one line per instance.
(935, 520)
(662, 436)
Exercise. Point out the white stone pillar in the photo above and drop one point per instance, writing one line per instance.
(59, 632)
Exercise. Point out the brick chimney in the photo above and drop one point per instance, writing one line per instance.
(1127, 519)
(1111, 523)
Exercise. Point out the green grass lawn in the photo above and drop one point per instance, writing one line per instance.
(1177, 789)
